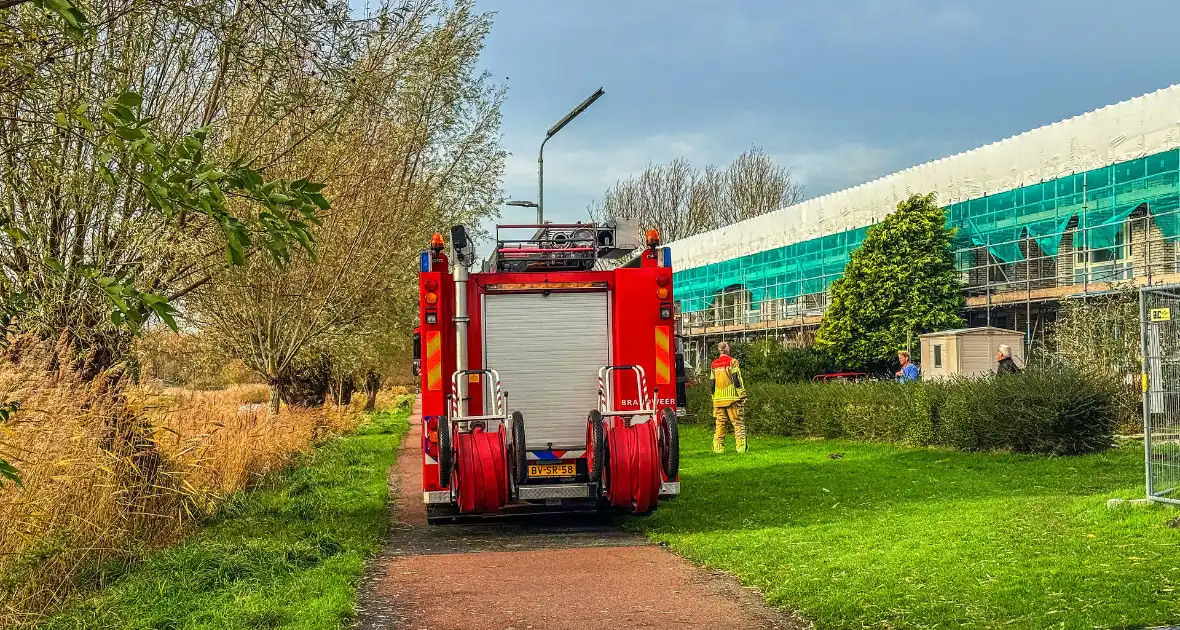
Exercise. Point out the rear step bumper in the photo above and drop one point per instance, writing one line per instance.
(555, 491)
(668, 489)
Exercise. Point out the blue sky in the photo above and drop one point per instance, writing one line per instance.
(839, 91)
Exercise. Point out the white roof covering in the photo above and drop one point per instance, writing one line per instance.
(1116, 133)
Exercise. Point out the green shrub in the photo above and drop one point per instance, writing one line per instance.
(1060, 412)
(700, 403)
(768, 361)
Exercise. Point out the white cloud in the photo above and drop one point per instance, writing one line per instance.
(576, 176)
(829, 169)
(589, 171)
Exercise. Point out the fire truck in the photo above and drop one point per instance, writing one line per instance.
(550, 378)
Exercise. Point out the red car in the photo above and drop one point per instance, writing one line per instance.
(841, 377)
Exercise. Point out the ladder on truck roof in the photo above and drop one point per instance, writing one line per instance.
(562, 246)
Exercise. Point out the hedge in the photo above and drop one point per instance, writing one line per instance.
(768, 361)
(1058, 412)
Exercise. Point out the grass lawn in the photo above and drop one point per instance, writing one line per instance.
(286, 555)
(890, 537)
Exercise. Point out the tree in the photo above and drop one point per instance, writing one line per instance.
(118, 192)
(421, 151)
(680, 200)
(900, 283)
(1099, 336)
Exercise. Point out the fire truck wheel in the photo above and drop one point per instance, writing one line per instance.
(669, 443)
(446, 452)
(503, 466)
(519, 464)
(595, 448)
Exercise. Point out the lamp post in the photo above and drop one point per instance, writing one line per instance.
(541, 154)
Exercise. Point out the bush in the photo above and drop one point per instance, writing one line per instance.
(768, 361)
(1061, 412)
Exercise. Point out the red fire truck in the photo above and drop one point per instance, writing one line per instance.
(550, 378)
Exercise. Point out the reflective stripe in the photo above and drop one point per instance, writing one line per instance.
(553, 455)
(433, 360)
(663, 356)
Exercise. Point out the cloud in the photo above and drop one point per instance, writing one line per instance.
(826, 170)
(575, 176)
(588, 171)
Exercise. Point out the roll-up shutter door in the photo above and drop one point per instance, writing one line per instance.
(547, 350)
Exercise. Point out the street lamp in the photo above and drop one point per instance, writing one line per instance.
(541, 154)
(522, 204)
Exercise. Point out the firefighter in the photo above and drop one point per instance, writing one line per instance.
(729, 393)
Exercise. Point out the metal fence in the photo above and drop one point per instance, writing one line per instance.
(1159, 311)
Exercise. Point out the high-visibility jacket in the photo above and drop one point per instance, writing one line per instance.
(727, 382)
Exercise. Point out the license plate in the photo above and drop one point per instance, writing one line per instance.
(553, 470)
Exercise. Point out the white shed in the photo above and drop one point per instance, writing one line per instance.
(967, 351)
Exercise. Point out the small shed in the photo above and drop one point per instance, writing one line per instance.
(967, 351)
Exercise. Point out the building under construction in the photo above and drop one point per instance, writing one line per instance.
(1061, 212)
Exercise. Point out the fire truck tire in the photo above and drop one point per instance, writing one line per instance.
(502, 466)
(446, 453)
(669, 443)
(595, 446)
(519, 452)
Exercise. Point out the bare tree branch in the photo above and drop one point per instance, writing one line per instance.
(680, 200)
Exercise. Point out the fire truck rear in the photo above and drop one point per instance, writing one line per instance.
(550, 378)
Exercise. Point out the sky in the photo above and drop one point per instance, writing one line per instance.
(840, 92)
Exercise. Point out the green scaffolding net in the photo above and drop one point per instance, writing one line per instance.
(1092, 206)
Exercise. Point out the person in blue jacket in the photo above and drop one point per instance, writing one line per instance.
(909, 370)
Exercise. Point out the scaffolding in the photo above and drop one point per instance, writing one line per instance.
(1018, 253)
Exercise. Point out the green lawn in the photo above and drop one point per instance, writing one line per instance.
(286, 555)
(890, 537)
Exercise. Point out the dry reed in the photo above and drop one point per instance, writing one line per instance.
(110, 470)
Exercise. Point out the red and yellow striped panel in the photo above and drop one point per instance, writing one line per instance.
(433, 360)
(663, 355)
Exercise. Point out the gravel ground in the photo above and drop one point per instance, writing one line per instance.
(551, 573)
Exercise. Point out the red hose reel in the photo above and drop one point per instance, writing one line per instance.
(481, 475)
(632, 466)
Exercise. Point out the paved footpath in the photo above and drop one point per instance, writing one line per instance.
(545, 574)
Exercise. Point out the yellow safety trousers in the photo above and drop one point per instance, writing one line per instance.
(731, 414)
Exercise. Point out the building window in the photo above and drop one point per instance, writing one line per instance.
(1109, 254)
(938, 355)
(1105, 264)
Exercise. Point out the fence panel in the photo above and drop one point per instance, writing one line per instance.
(1159, 310)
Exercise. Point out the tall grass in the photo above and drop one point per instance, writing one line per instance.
(111, 470)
